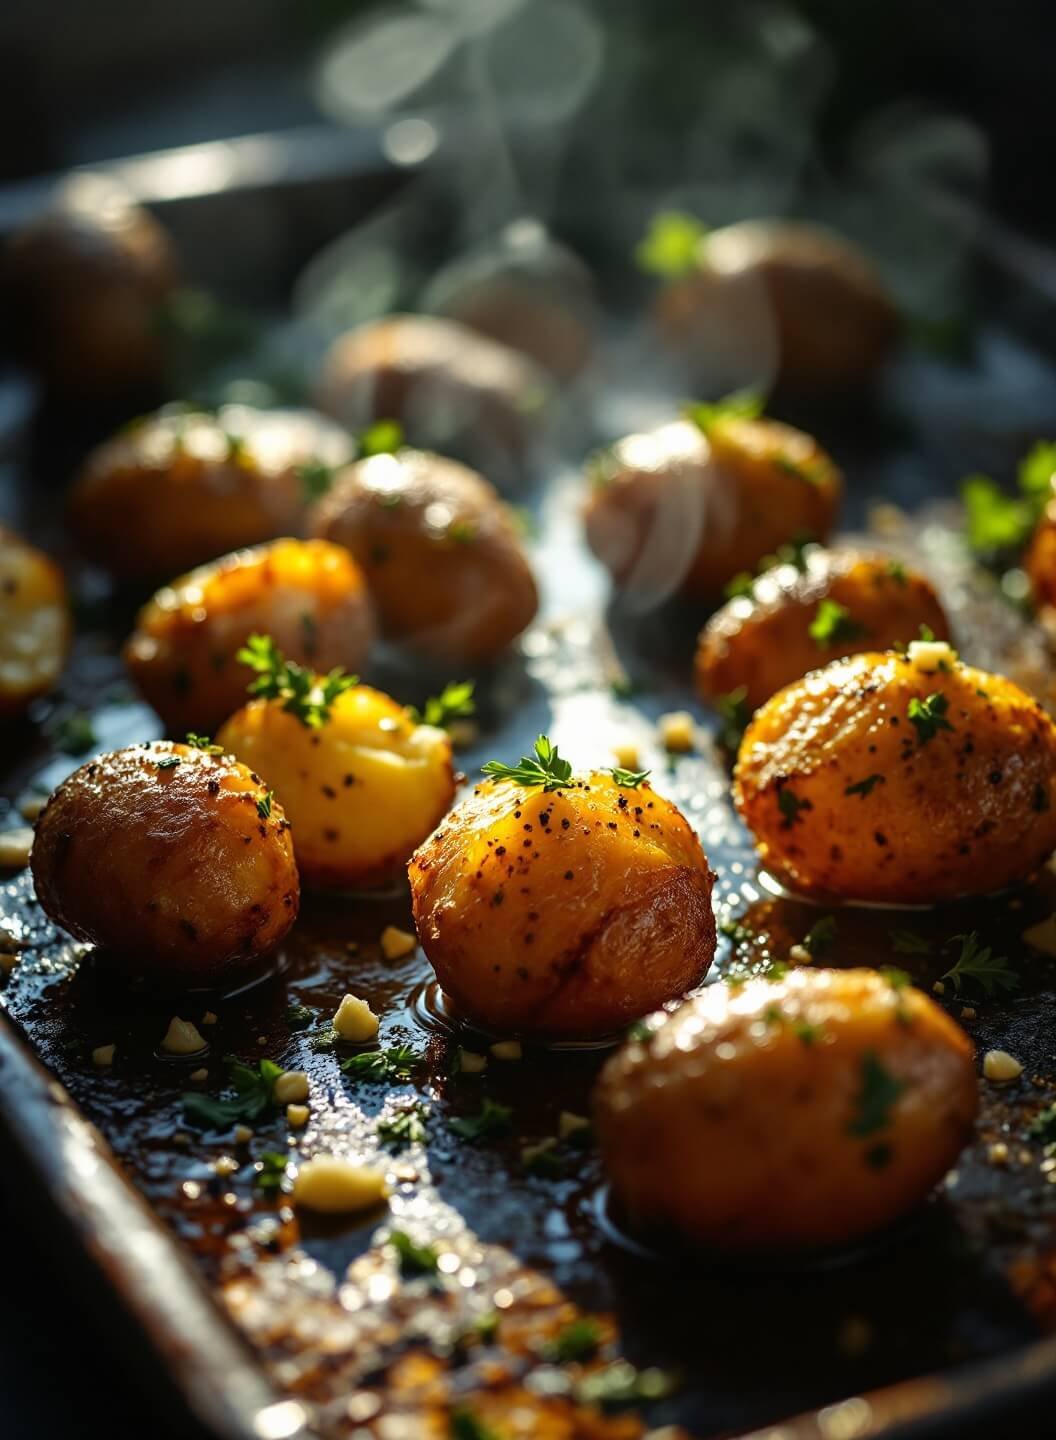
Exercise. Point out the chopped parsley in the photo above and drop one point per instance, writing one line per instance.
(252, 1098)
(671, 245)
(978, 964)
(997, 521)
(629, 779)
(734, 716)
(414, 1259)
(464, 1425)
(203, 743)
(1043, 1126)
(74, 733)
(790, 805)
(168, 762)
(303, 694)
(455, 702)
(638, 1032)
(807, 1033)
(864, 787)
(299, 1017)
(820, 935)
(834, 625)
(741, 587)
(491, 1120)
(813, 470)
(382, 1066)
(928, 716)
(405, 1126)
(578, 1340)
(897, 979)
(897, 572)
(878, 1094)
(316, 478)
(270, 1170)
(621, 1383)
(545, 768)
(384, 437)
(740, 405)
(908, 942)
(264, 804)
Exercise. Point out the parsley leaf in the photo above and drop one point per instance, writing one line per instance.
(863, 787)
(304, 694)
(820, 935)
(546, 768)
(405, 1126)
(629, 779)
(996, 521)
(578, 1340)
(978, 963)
(203, 742)
(908, 942)
(299, 1017)
(1043, 1126)
(270, 1170)
(740, 405)
(264, 804)
(741, 587)
(790, 805)
(464, 1425)
(671, 245)
(834, 625)
(74, 733)
(316, 478)
(491, 1120)
(897, 571)
(455, 702)
(414, 1259)
(381, 1066)
(621, 1383)
(384, 437)
(251, 1101)
(878, 1094)
(734, 716)
(928, 716)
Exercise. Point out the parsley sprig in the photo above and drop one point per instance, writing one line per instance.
(455, 702)
(997, 521)
(491, 1120)
(203, 743)
(834, 625)
(251, 1101)
(382, 1066)
(303, 693)
(405, 1126)
(671, 245)
(978, 965)
(414, 1259)
(628, 779)
(545, 768)
(928, 716)
(740, 405)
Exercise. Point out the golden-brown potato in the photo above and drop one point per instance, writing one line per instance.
(563, 914)
(163, 857)
(678, 508)
(778, 298)
(83, 289)
(451, 389)
(798, 618)
(1040, 559)
(308, 595)
(35, 623)
(802, 1113)
(362, 788)
(914, 779)
(179, 488)
(443, 560)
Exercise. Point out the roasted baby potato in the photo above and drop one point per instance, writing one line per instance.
(443, 560)
(910, 780)
(817, 1109)
(174, 862)
(451, 389)
(799, 617)
(1040, 559)
(678, 508)
(178, 488)
(308, 595)
(563, 913)
(35, 623)
(361, 782)
(778, 297)
(83, 288)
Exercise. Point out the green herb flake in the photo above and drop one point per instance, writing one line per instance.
(382, 1067)
(270, 1170)
(621, 1383)
(299, 1017)
(908, 942)
(303, 694)
(741, 587)
(315, 477)
(820, 935)
(490, 1121)
(169, 762)
(203, 743)
(414, 1259)
(734, 716)
(880, 1090)
(671, 246)
(578, 1340)
(897, 979)
(978, 965)
(928, 716)
(628, 779)
(1043, 1127)
(834, 625)
(251, 1101)
(807, 1033)
(74, 733)
(264, 804)
(897, 571)
(405, 1126)
(384, 437)
(545, 768)
(464, 1425)
(866, 786)
(740, 405)
(455, 702)
(790, 806)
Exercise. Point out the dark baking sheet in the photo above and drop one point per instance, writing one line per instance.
(968, 1280)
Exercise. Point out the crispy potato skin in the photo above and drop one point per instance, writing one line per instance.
(830, 319)
(443, 560)
(35, 623)
(173, 491)
(778, 1159)
(308, 595)
(762, 642)
(564, 914)
(676, 508)
(172, 872)
(970, 811)
(1040, 559)
(361, 791)
(450, 388)
(83, 287)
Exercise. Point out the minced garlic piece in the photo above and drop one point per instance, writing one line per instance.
(968, 1012)
(297, 1116)
(507, 1050)
(103, 1056)
(243, 1135)
(677, 732)
(569, 1123)
(335, 1187)
(200, 1075)
(470, 1063)
(625, 753)
(999, 1065)
(225, 1165)
(15, 846)
(182, 1038)
(998, 1153)
(292, 1085)
(208, 1018)
(931, 655)
(396, 943)
(355, 1021)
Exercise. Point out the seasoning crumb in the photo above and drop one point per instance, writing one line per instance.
(103, 1056)
(677, 732)
(1000, 1066)
(396, 943)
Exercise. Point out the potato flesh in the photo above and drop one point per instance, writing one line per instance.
(34, 623)
(968, 811)
(170, 869)
(762, 642)
(309, 596)
(675, 508)
(563, 914)
(361, 791)
(746, 1121)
